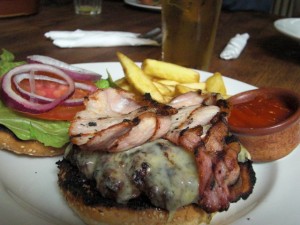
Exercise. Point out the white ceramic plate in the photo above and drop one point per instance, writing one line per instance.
(137, 3)
(289, 27)
(29, 193)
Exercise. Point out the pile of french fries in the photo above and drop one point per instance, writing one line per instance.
(164, 81)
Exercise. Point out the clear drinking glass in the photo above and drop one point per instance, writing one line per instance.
(189, 31)
(88, 7)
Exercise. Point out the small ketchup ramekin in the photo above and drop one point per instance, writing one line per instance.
(266, 141)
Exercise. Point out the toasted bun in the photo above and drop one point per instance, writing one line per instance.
(82, 197)
(9, 142)
(189, 215)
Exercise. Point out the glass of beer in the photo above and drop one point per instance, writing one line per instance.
(189, 31)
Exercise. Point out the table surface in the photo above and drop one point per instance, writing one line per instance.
(269, 59)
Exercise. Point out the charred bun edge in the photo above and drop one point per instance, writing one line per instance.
(10, 142)
(82, 196)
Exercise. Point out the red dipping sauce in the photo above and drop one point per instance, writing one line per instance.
(260, 112)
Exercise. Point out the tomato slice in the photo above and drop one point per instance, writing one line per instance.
(54, 90)
(59, 113)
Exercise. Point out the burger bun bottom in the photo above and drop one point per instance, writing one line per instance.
(188, 215)
(9, 142)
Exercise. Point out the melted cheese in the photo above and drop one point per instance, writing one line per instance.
(166, 173)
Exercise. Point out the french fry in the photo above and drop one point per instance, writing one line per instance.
(169, 71)
(169, 98)
(181, 89)
(216, 84)
(164, 89)
(123, 83)
(196, 86)
(167, 82)
(137, 78)
(164, 81)
(187, 87)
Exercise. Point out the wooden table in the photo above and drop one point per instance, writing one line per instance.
(269, 59)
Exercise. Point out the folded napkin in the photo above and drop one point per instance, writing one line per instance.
(86, 39)
(235, 46)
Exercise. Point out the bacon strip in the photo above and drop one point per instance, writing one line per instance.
(222, 179)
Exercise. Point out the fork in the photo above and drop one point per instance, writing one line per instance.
(154, 34)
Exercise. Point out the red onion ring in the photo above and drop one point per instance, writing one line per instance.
(17, 79)
(74, 72)
(17, 102)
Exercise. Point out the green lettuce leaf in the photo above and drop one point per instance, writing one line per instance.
(105, 83)
(102, 83)
(50, 133)
(7, 62)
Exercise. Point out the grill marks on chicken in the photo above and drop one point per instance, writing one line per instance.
(187, 126)
(195, 122)
(115, 127)
(107, 124)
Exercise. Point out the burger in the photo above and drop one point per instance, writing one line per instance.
(38, 99)
(135, 161)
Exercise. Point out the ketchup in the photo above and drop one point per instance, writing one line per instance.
(259, 112)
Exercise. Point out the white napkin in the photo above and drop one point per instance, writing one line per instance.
(86, 39)
(235, 46)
